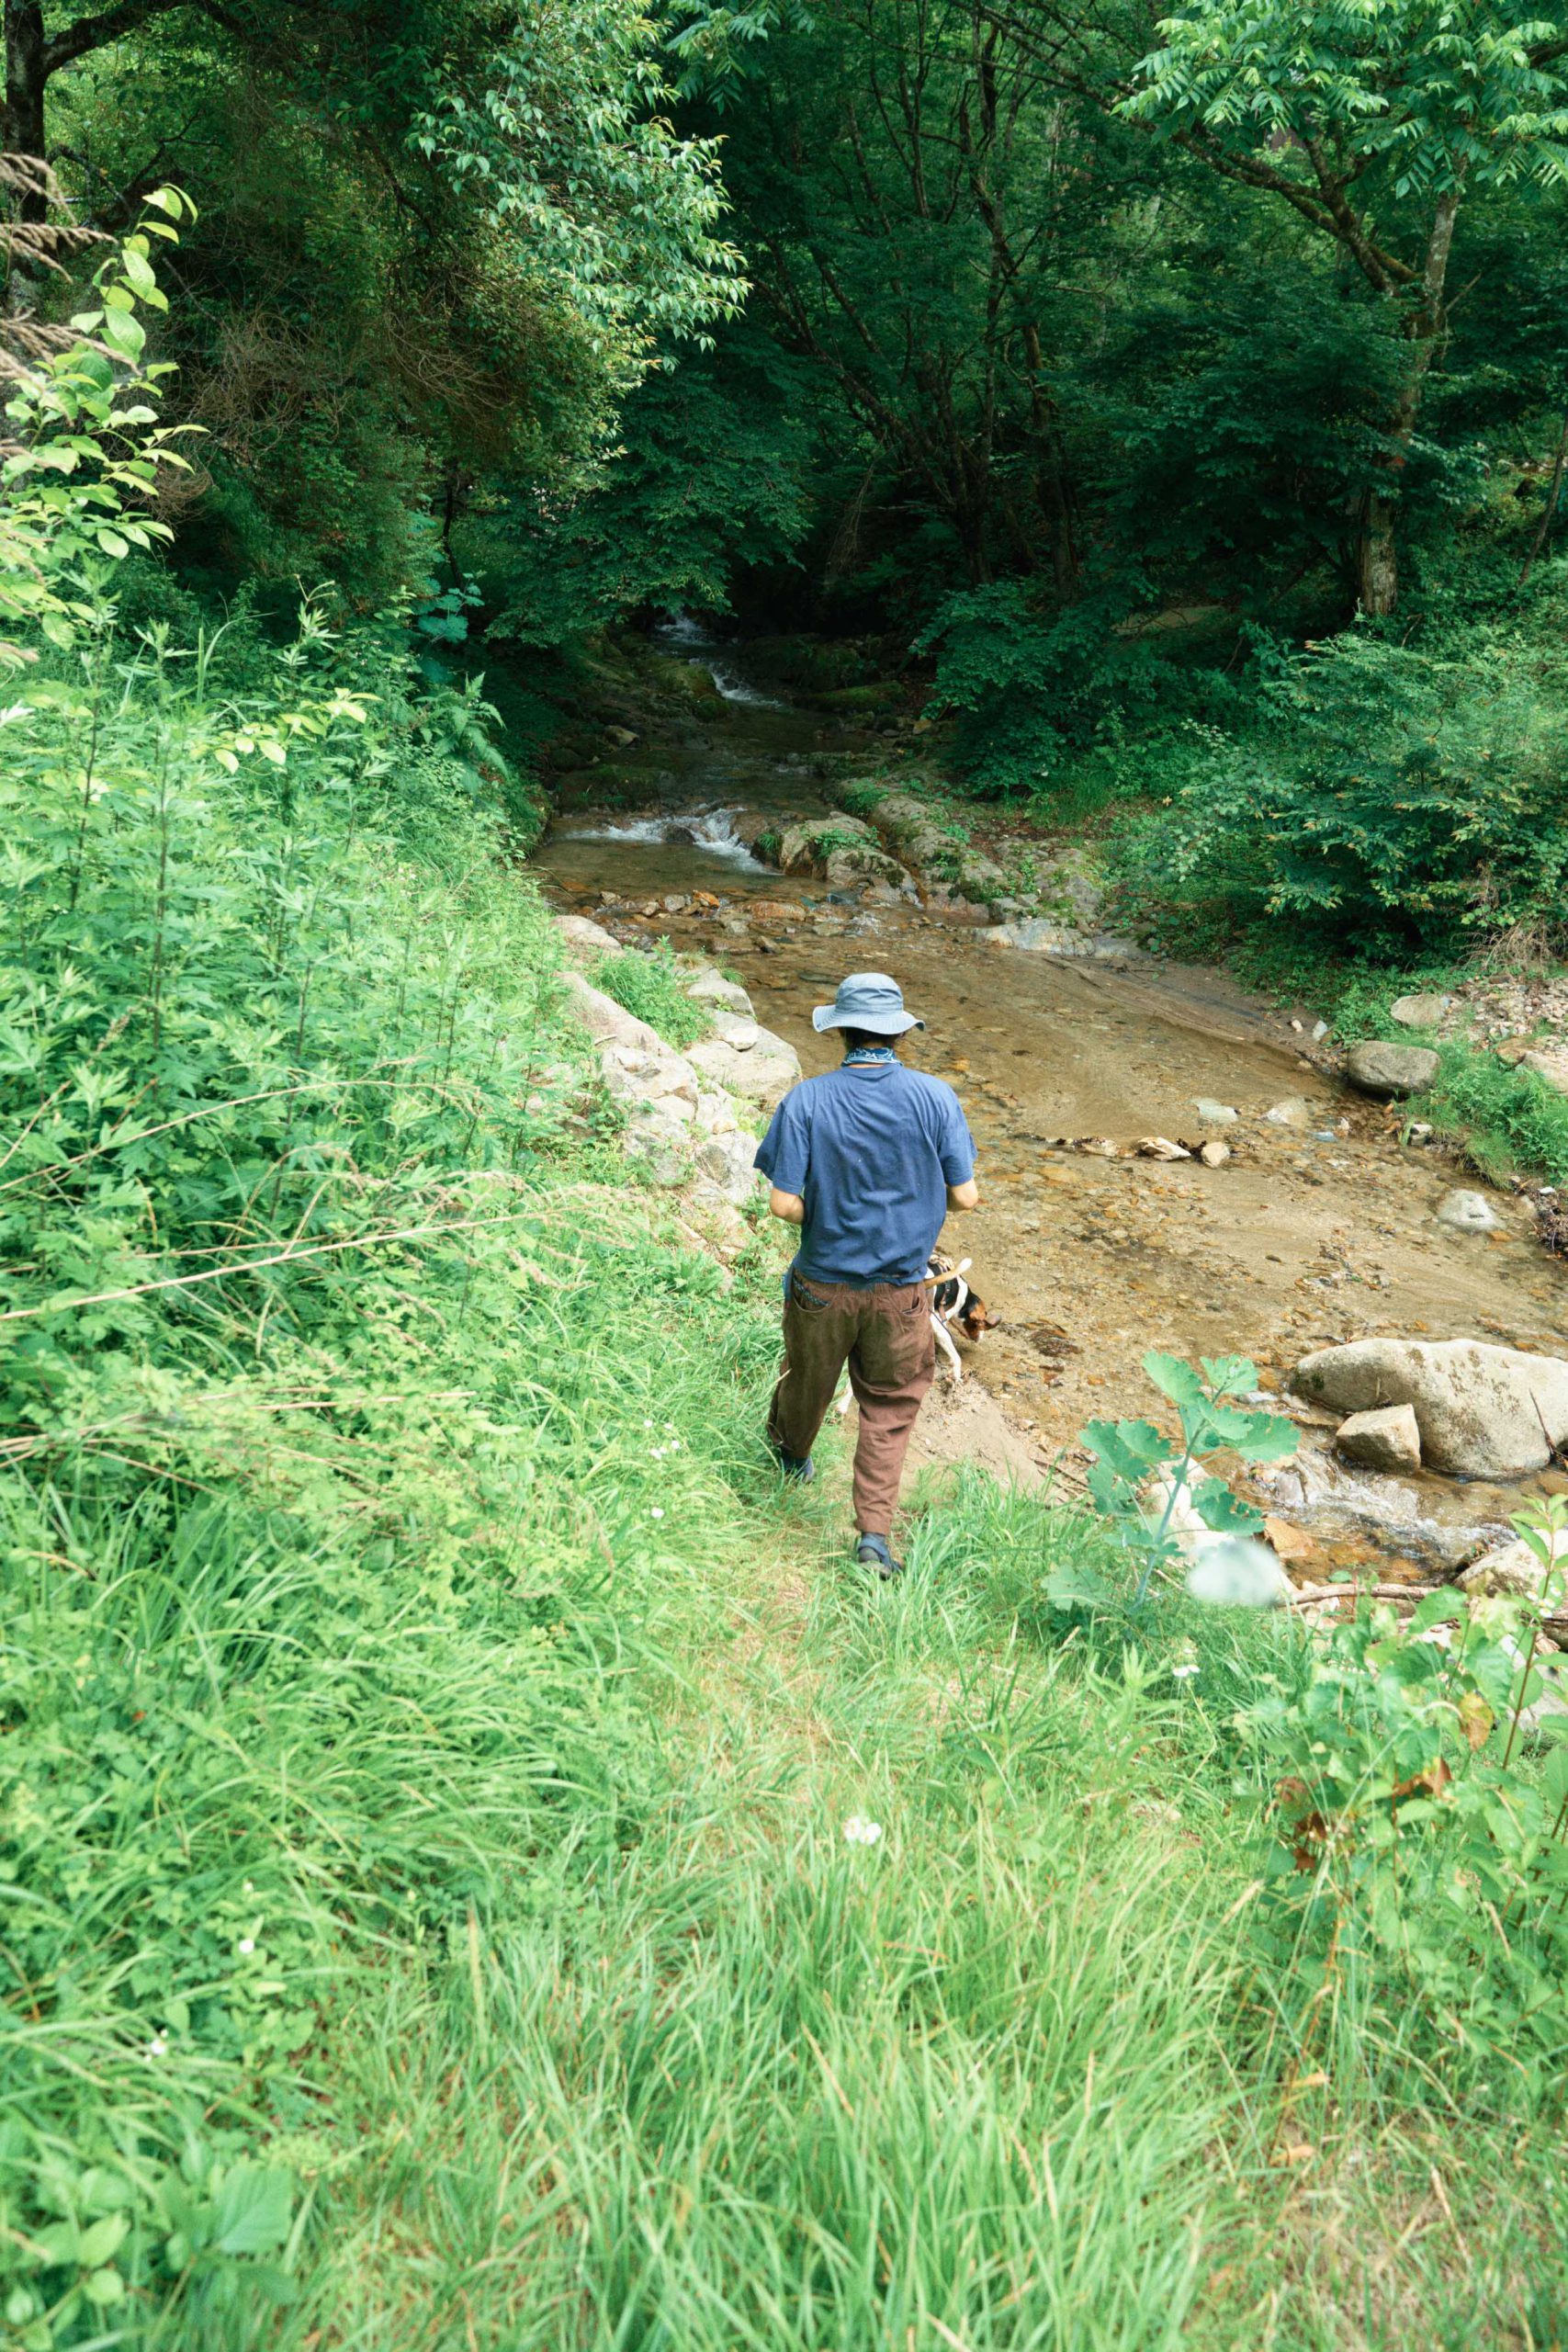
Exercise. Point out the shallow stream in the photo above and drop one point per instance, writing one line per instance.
(1313, 1232)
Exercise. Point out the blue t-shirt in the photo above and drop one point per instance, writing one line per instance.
(871, 1151)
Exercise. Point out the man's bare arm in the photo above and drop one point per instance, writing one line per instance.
(962, 1197)
(787, 1206)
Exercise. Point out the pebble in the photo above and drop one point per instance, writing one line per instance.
(1212, 1113)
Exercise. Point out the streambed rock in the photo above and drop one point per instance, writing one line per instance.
(1513, 1567)
(1418, 1012)
(1389, 1070)
(1468, 1212)
(1481, 1411)
(1388, 1438)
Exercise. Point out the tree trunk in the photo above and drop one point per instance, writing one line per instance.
(1377, 557)
(21, 127)
(1377, 549)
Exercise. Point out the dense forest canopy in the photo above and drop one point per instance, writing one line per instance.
(1092, 362)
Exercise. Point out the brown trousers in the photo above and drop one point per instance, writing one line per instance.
(883, 1334)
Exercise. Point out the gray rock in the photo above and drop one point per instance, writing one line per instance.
(738, 1030)
(1468, 1213)
(1418, 1012)
(661, 1146)
(1388, 1438)
(1212, 1154)
(801, 849)
(1550, 1066)
(584, 942)
(1389, 1070)
(1483, 1412)
(634, 1074)
(712, 988)
(1513, 1567)
(843, 868)
(763, 1074)
(1038, 935)
(604, 1019)
(1212, 1113)
(1295, 1112)
(729, 1161)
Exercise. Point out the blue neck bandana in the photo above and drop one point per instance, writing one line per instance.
(860, 1056)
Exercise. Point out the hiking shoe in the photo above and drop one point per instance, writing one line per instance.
(799, 1469)
(872, 1552)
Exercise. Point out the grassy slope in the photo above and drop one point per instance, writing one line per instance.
(1006, 2078)
(429, 1745)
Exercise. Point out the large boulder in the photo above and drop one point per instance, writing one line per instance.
(1550, 1065)
(584, 942)
(1389, 1070)
(1483, 1412)
(604, 1019)
(763, 1073)
(1418, 1012)
(807, 847)
(729, 1163)
(712, 988)
(634, 1074)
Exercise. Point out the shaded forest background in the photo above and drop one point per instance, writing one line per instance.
(1183, 406)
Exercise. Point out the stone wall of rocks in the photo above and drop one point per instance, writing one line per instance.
(682, 1127)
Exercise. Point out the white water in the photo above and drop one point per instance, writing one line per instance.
(711, 830)
(690, 641)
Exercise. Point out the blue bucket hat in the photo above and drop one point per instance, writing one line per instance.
(867, 1001)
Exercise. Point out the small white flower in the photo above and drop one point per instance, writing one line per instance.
(862, 1832)
(648, 1421)
(656, 1513)
(157, 2047)
(247, 1945)
(1179, 1673)
(250, 1886)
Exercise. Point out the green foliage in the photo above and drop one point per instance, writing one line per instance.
(1408, 798)
(650, 985)
(1412, 1833)
(82, 445)
(1132, 1461)
(347, 1405)
(1442, 103)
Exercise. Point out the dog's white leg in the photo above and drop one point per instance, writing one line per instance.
(842, 1405)
(943, 1338)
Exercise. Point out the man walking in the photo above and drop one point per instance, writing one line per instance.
(867, 1161)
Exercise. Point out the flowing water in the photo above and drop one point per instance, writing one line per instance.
(1315, 1232)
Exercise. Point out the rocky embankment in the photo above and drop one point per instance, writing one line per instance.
(687, 1112)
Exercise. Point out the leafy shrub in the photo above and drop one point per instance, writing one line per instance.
(862, 796)
(327, 1492)
(1129, 1455)
(650, 985)
(1406, 801)
(1412, 1835)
